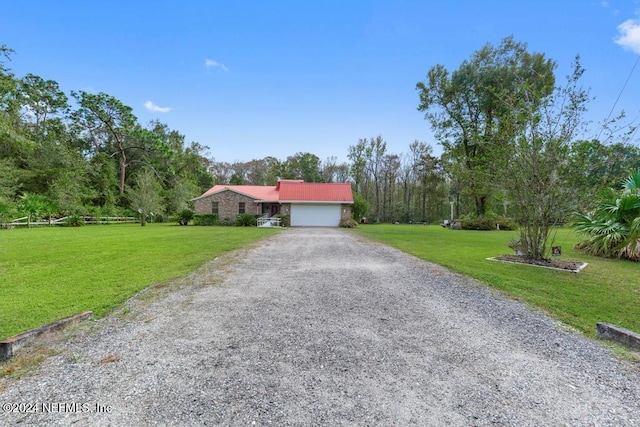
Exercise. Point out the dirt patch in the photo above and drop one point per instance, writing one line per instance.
(573, 266)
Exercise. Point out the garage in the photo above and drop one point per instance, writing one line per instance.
(315, 215)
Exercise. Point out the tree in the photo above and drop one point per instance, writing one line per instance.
(146, 196)
(305, 166)
(465, 109)
(390, 170)
(42, 99)
(358, 164)
(374, 152)
(34, 205)
(107, 125)
(534, 167)
(595, 167)
(360, 206)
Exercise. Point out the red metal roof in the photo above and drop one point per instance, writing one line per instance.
(258, 192)
(315, 192)
(291, 191)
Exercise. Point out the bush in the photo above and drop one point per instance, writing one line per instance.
(74, 221)
(185, 216)
(487, 223)
(205, 219)
(348, 223)
(285, 220)
(506, 223)
(246, 220)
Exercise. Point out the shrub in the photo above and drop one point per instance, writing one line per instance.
(205, 219)
(285, 220)
(246, 220)
(185, 216)
(74, 221)
(348, 223)
(487, 223)
(506, 223)
(613, 229)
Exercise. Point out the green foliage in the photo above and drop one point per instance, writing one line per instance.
(614, 227)
(74, 221)
(603, 291)
(285, 220)
(236, 180)
(360, 206)
(205, 219)
(348, 223)
(145, 196)
(533, 168)
(185, 216)
(305, 166)
(246, 220)
(52, 272)
(468, 113)
(471, 222)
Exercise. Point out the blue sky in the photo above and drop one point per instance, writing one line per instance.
(251, 79)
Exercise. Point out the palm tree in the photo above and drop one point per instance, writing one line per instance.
(614, 228)
(32, 205)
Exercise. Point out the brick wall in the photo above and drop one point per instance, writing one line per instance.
(345, 212)
(228, 203)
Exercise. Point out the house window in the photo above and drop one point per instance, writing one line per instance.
(214, 207)
(241, 208)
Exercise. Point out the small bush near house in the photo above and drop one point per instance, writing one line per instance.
(185, 216)
(205, 219)
(285, 220)
(246, 220)
(348, 223)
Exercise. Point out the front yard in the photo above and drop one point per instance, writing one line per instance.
(50, 273)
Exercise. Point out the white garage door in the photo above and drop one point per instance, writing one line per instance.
(317, 215)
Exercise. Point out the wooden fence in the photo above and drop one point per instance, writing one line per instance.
(23, 222)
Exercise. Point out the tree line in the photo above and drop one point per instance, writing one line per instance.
(511, 135)
(92, 159)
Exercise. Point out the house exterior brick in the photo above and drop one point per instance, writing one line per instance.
(345, 212)
(228, 205)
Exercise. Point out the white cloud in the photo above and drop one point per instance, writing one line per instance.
(153, 107)
(629, 35)
(210, 63)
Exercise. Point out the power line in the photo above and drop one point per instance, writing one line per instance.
(619, 95)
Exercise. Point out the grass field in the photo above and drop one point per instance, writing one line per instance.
(50, 273)
(607, 290)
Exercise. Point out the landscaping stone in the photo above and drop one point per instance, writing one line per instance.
(618, 334)
(9, 346)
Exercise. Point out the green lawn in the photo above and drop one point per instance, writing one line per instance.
(608, 290)
(50, 273)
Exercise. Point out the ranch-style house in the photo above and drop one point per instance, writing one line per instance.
(308, 204)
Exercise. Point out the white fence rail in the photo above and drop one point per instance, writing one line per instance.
(267, 221)
(23, 222)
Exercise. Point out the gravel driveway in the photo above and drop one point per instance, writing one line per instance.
(320, 327)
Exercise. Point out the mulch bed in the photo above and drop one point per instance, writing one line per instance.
(573, 266)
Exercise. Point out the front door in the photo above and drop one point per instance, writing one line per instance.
(275, 209)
